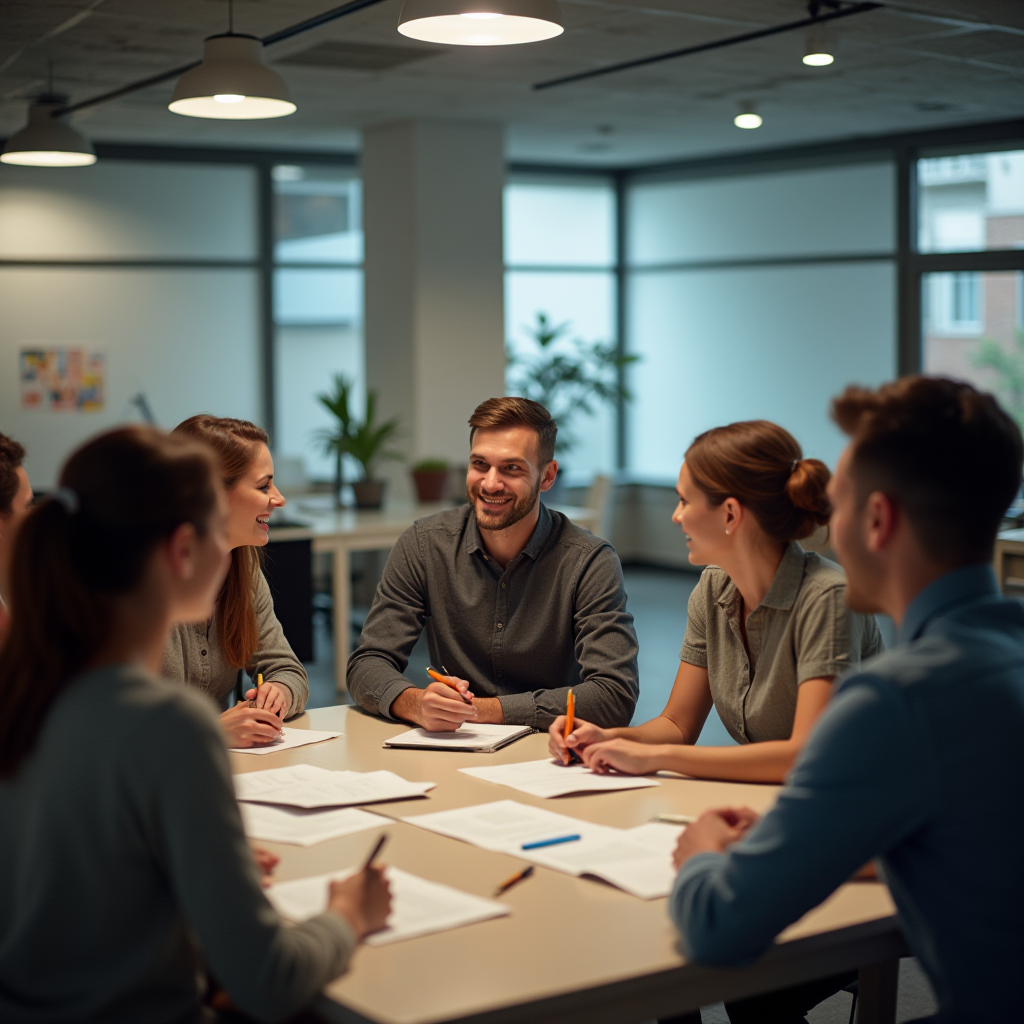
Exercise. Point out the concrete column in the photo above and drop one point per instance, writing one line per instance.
(432, 215)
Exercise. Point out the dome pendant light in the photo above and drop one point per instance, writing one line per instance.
(747, 117)
(232, 83)
(818, 52)
(47, 140)
(481, 22)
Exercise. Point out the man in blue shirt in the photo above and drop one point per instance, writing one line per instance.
(918, 762)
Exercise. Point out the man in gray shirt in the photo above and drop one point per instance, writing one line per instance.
(519, 604)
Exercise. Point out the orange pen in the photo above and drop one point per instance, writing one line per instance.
(570, 714)
(438, 678)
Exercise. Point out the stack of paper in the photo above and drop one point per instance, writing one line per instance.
(304, 828)
(636, 860)
(549, 778)
(418, 907)
(304, 785)
(480, 738)
(289, 738)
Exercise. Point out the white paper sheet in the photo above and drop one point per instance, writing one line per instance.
(304, 785)
(636, 860)
(418, 907)
(467, 737)
(289, 738)
(548, 778)
(301, 827)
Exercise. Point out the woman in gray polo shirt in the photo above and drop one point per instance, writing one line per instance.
(243, 633)
(768, 629)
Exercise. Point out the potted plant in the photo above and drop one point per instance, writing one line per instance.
(368, 443)
(334, 439)
(566, 375)
(431, 479)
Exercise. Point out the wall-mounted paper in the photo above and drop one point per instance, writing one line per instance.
(62, 379)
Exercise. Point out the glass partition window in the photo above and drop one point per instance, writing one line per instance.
(971, 203)
(560, 263)
(318, 307)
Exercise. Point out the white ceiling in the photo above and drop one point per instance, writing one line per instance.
(910, 66)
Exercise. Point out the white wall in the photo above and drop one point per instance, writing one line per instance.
(186, 337)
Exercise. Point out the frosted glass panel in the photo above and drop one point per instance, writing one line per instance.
(587, 302)
(563, 223)
(122, 209)
(774, 343)
(318, 214)
(184, 338)
(829, 211)
(318, 296)
(972, 202)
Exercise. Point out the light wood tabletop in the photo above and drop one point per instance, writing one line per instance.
(573, 949)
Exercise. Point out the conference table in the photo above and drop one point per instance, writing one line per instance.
(337, 532)
(573, 949)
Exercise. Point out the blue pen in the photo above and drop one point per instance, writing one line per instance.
(550, 842)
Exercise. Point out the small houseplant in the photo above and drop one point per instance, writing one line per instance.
(431, 479)
(365, 441)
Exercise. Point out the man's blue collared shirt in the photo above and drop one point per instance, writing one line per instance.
(918, 762)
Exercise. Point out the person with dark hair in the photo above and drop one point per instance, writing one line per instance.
(519, 604)
(244, 633)
(767, 631)
(124, 869)
(15, 499)
(917, 762)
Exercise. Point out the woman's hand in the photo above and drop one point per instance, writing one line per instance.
(244, 726)
(271, 697)
(266, 862)
(363, 899)
(713, 832)
(622, 756)
(583, 735)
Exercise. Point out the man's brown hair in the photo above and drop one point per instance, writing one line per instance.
(11, 456)
(944, 452)
(501, 413)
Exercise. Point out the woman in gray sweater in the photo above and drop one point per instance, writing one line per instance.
(243, 633)
(124, 871)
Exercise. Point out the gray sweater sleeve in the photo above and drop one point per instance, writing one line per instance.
(606, 651)
(274, 656)
(182, 786)
(391, 630)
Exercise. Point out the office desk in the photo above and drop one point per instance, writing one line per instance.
(339, 532)
(574, 949)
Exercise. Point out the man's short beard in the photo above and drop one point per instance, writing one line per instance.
(517, 509)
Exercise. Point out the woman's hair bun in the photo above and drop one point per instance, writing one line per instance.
(807, 490)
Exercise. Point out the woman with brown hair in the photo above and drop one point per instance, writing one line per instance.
(243, 633)
(767, 631)
(124, 870)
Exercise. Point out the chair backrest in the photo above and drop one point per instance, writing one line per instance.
(600, 502)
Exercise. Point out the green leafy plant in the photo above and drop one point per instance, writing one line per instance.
(566, 374)
(364, 440)
(1008, 366)
(431, 465)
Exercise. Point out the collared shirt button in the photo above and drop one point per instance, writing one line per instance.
(503, 586)
(499, 625)
(203, 652)
(500, 674)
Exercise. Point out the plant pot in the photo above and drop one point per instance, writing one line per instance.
(369, 493)
(430, 484)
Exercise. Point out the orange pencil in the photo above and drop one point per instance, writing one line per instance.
(570, 714)
(438, 678)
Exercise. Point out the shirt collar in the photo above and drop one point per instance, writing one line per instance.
(541, 532)
(961, 586)
(785, 584)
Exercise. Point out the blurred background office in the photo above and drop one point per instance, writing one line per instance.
(736, 231)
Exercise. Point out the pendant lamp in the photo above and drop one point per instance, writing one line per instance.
(481, 22)
(47, 140)
(818, 49)
(232, 83)
(748, 117)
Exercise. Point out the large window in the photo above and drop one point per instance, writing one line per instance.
(560, 263)
(756, 296)
(318, 304)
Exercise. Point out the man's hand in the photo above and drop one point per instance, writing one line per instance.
(364, 900)
(271, 697)
(244, 726)
(622, 756)
(583, 735)
(266, 862)
(713, 832)
(438, 707)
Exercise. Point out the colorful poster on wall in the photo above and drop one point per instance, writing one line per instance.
(62, 379)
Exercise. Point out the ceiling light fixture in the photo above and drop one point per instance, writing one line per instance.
(818, 51)
(481, 22)
(747, 117)
(47, 140)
